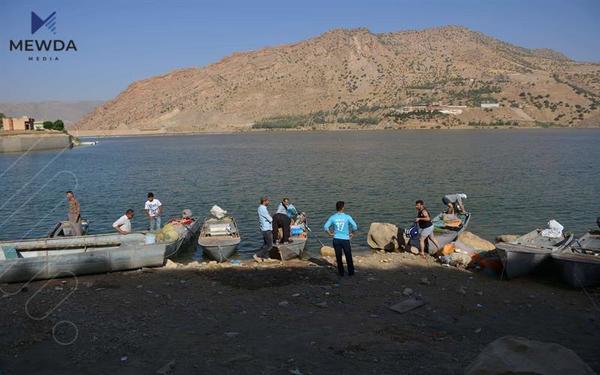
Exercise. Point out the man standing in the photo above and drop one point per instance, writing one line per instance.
(265, 221)
(341, 234)
(123, 224)
(456, 201)
(423, 220)
(154, 210)
(282, 220)
(74, 213)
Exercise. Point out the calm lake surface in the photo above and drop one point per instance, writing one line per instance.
(515, 180)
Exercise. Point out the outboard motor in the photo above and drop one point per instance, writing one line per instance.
(63, 229)
(598, 221)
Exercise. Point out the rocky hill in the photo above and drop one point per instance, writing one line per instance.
(359, 78)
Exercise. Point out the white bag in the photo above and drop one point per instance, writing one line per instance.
(218, 212)
(554, 230)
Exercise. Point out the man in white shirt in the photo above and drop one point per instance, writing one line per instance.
(153, 209)
(123, 224)
(455, 201)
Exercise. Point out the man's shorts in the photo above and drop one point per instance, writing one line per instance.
(425, 232)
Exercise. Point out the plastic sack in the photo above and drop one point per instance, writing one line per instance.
(554, 229)
(447, 249)
(218, 212)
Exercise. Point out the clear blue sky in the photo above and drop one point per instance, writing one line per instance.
(123, 41)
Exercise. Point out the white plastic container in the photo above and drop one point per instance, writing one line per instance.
(150, 238)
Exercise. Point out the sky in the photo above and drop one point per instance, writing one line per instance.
(119, 42)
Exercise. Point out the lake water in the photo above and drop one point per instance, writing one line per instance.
(515, 180)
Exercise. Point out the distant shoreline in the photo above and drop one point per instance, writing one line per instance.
(15, 142)
(133, 133)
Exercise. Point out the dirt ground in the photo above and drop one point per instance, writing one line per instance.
(298, 317)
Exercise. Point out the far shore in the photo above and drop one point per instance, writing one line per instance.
(141, 133)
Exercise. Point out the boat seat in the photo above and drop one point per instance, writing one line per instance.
(220, 229)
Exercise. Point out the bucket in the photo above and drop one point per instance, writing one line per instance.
(150, 238)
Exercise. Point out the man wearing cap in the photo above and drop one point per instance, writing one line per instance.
(455, 201)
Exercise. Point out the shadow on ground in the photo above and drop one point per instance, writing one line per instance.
(296, 317)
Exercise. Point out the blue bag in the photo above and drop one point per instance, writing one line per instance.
(412, 232)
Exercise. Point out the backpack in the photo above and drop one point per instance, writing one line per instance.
(412, 232)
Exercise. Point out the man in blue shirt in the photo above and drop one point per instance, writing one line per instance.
(265, 221)
(341, 234)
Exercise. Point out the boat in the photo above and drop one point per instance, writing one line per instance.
(187, 230)
(46, 258)
(528, 252)
(579, 263)
(444, 231)
(219, 238)
(64, 255)
(298, 237)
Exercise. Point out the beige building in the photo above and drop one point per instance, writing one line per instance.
(17, 123)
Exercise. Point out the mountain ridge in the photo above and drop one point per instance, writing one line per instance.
(341, 70)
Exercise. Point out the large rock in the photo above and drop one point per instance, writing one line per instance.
(506, 238)
(327, 251)
(383, 236)
(518, 355)
(476, 242)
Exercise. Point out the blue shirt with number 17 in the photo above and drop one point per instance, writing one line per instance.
(341, 225)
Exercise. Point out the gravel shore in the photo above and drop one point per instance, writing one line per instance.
(296, 317)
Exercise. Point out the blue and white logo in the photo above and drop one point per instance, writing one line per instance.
(37, 22)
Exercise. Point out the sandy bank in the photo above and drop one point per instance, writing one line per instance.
(134, 133)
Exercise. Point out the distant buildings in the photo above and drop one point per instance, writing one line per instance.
(446, 109)
(18, 123)
(490, 105)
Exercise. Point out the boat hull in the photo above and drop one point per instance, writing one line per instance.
(579, 264)
(528, 253)
(220, 253)
(185, 242)
(517, 264)
(577, 272)
(289, 251)
(102, 260)
(219, 238)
